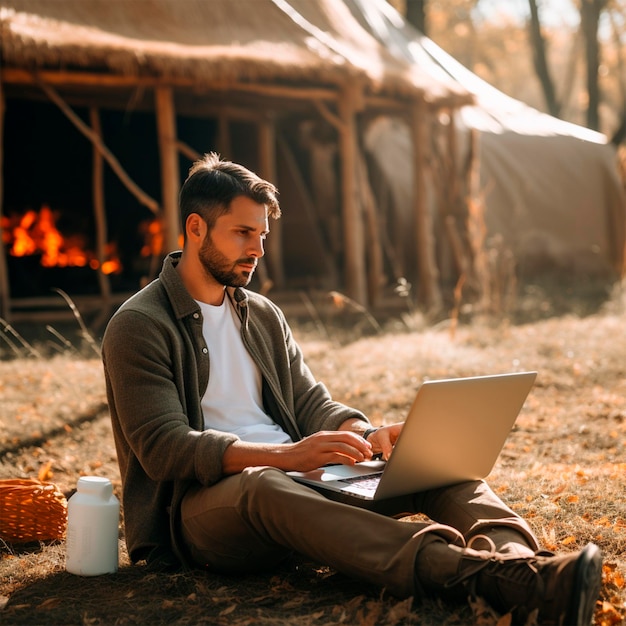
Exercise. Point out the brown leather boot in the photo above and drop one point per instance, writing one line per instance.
(560, 590)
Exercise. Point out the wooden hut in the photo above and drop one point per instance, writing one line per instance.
(251, 67)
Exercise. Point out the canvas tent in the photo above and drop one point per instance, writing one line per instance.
(254, 62)
(551, 190)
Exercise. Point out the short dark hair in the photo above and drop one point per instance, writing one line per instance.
(212, 184)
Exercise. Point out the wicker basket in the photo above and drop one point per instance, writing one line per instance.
(31, 510)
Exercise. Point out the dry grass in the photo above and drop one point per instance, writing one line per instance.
(563, 468)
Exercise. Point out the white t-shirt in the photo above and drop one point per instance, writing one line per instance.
(232, 401)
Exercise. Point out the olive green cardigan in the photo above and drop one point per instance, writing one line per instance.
(157, 367)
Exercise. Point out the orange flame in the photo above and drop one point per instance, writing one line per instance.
(153, 237)
(36, 233)
(23, 243)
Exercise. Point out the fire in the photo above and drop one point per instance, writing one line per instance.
(35, 233)
(23, 244)
(153, 237)
(152, 231)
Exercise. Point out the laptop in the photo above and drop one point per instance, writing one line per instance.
(454, 432)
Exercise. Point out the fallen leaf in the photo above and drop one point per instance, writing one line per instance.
(228, 610)
(50, 603)
(44, 473)
(607, 615)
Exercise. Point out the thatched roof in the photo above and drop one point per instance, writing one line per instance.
(212, 41)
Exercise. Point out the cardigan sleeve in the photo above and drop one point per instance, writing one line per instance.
(154, 400)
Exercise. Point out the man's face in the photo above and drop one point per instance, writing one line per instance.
(231, 250)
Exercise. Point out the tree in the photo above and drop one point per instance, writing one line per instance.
(618, 27)
(590, 19)
(539, 57)
(580, 71)
(416, 14)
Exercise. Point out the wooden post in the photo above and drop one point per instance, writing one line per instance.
(99, 209)
(429, 288)
(354, 246)
(267, 159)
(223, 141)
(375, 271)
(5, 294)
(170, 174)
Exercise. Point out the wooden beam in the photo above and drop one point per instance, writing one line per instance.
(170, 174)
(99, 197)
(99, 208)
(375, 271)
(354, 246)
(67, 78)
(187, 151)
(398, 102)
(142, 197)
(268, 170)
(429, 289)
(328, 115)
(223, 140)
(5, 294)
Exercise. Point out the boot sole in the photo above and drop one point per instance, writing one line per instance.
(587, 584)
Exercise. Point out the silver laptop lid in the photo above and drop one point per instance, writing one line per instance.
(454, 431)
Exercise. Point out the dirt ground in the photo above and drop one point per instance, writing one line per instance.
(563, 468)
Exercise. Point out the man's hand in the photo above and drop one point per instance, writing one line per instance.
(329, 447)
(321, 448)
(384, 439)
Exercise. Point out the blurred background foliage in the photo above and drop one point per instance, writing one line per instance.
(563, 57)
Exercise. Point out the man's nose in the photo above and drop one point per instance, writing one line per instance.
(257, 249)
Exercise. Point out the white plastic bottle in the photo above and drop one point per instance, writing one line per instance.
(93, 514)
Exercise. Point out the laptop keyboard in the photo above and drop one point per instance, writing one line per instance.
(367, 481)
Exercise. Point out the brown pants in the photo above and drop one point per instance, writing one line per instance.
(250, 521)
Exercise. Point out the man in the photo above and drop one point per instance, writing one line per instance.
(211, 403)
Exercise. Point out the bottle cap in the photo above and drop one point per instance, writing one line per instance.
(95, 485)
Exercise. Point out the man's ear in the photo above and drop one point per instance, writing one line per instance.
(195, 225)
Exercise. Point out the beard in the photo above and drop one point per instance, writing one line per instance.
(217, 266)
